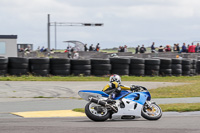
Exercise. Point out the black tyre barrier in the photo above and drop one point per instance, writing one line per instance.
(176, 71)
(186, 66)
(106, 67)
(193, 67)
(165, 61)
(120, 66)
(3, 72)
(176, 61)
(59, 61)
(152, 67)
(61, 72)
(186, 62)
(119, 61)
(80, 62)
(18, 72)
(18, 60)
(165, 67)
(137, 67)
(3, 66)
(151, 72)
(39, 60)
(79, 72)
(137, 61)
(176, 66)
(18, 66)
(79, 67)
(100, 61)
(3, 61)
(40, 72)
(120, 71)
(152, 62)
(60, 66)
(100, 67)
(39, 66)
(100, 72)
(137, 72)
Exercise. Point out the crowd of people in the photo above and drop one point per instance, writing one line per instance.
(123, 49)
(176, 48)
(92, 48)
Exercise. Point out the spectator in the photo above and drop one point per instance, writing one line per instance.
(197, 49)
(42, 49)
(142, 49)
(184, 49)
(188, 47)
(153, 48)
(21, 50)
(161, 49)
(85, 47)
(97, 47)
(125, 48)
(175, 48)
(168, 49)
(191, 48)
(137, 49)
(91, 48)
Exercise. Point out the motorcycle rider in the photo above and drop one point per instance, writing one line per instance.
(115, 87)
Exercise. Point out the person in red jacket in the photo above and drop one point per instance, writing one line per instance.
(191, 48)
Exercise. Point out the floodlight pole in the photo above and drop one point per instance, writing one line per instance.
(64, 24)
(48, 31)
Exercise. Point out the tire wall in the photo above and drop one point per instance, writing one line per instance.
(99, 67)
(137, 67)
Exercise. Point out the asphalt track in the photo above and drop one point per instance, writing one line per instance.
(167, 124)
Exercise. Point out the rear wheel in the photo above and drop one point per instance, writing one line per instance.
(96, 112)
(151, 114)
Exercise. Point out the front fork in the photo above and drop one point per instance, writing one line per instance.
(148, 104)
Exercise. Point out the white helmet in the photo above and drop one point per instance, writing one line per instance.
(115, 78)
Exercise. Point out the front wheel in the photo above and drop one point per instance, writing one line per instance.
(96, 112)
(151, 114)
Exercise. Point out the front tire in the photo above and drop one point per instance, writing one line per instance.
(151, 114)
(94, 115)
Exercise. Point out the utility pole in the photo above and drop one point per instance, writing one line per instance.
(48, 31)
(64, 24)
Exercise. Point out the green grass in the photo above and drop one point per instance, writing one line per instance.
(180, 107)
(183, 79)
(177, 107)
(190, 90)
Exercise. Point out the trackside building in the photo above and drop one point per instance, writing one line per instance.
(8, 45)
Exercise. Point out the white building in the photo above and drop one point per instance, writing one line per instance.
(8, 45)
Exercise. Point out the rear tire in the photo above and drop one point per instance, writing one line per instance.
(95, 117)
(152, 115)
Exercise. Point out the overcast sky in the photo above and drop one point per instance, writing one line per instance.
(126, 22)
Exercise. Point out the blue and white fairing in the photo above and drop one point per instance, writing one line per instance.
(133, 101)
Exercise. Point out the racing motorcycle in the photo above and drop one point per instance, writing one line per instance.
(127, 105)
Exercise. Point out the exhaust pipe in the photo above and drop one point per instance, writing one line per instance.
(103, 103)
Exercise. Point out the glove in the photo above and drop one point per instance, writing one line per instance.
(115, 85)
(135, 88)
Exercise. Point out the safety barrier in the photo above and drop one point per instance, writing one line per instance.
(99, 67)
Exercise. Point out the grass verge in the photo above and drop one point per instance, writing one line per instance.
(177, 107)
(188, 90)
(184, 79)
